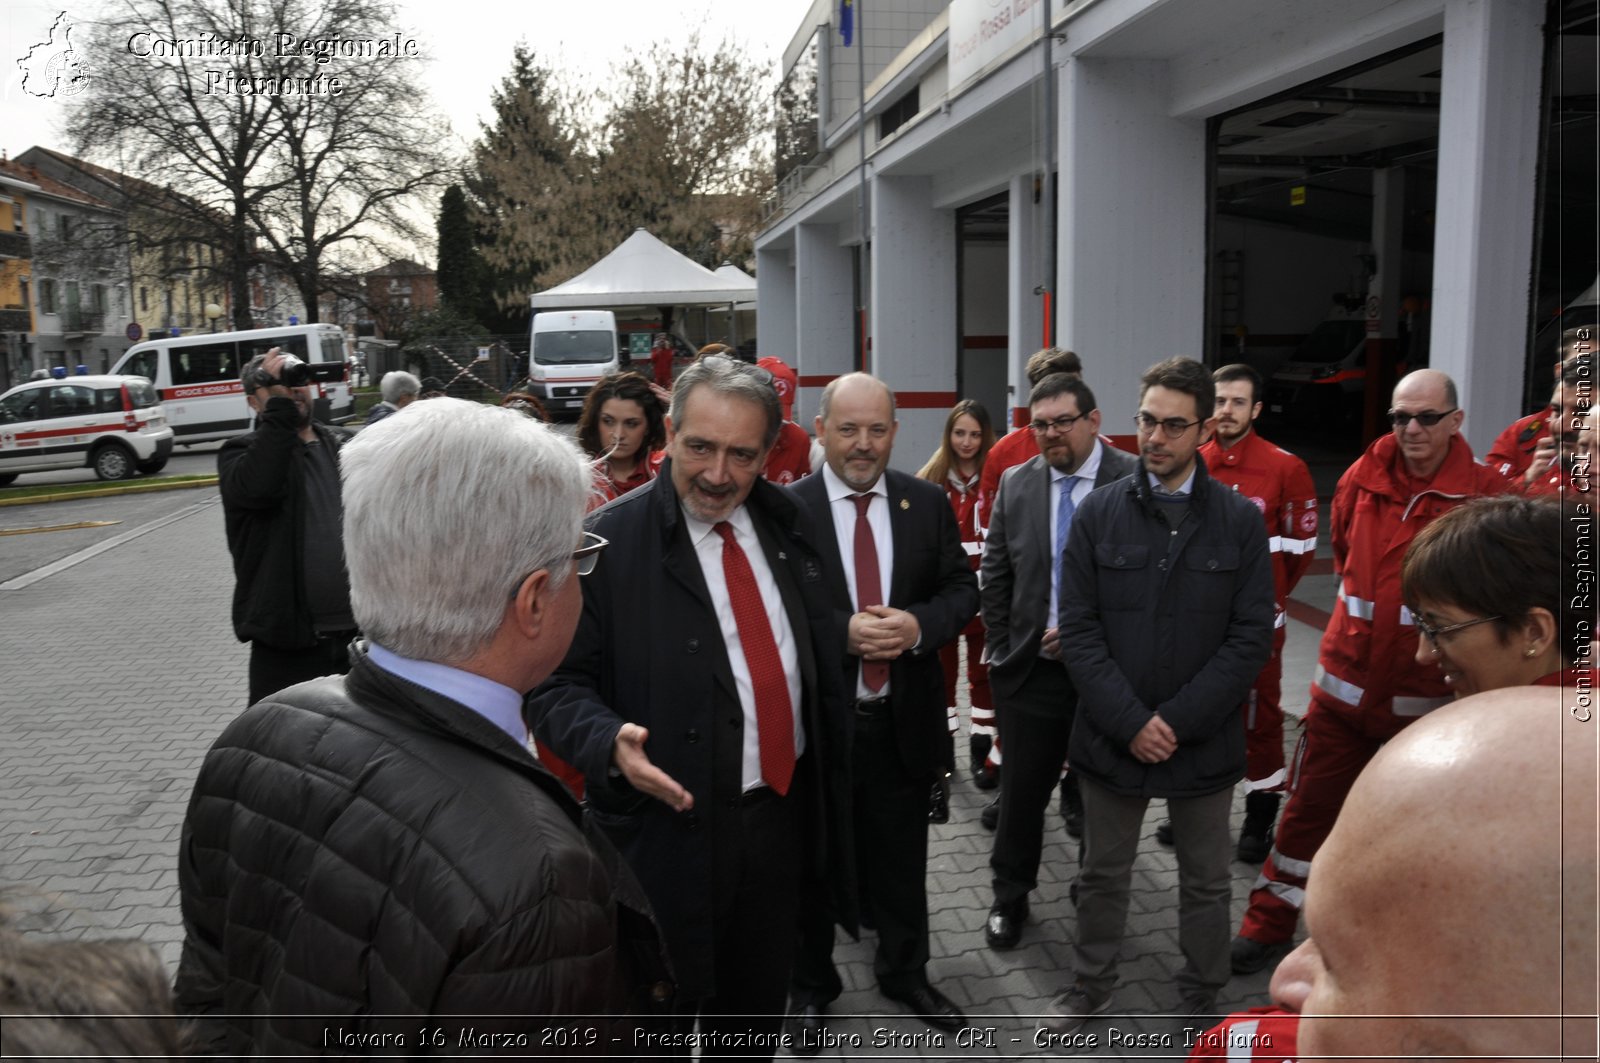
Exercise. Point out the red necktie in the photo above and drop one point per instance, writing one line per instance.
(774, 713)
(869, 587)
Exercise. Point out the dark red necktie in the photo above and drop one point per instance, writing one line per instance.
(869, 587)
(774, 713)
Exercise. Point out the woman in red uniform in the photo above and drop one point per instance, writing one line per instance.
(621, 428)
(957, 466)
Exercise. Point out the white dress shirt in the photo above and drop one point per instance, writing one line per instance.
(841, 503)
(708, 549)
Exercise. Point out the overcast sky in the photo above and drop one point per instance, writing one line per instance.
(470, 42)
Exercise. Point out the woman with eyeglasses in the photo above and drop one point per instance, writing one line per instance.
(622, 429)
(957, 466)
(1497, 592)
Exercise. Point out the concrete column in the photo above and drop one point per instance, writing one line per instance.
(913, 300)
(825, 329)
(775, 303)
(1131, 250)
(1483, 236)
(1025, 309)
(1383, 316)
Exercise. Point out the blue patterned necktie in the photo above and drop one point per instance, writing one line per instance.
(1064, 511)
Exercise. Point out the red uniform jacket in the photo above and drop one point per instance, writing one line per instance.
(1368, 655)
(1013, 448)
(790, 457)
(1513, 448)
(1280, 486)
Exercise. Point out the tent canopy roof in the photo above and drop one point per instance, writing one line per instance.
(643, 271)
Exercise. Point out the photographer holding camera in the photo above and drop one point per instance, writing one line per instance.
(280, 502)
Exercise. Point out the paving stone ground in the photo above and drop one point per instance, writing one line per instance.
(121, 670)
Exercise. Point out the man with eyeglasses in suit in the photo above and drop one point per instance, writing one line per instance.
(1368, 685)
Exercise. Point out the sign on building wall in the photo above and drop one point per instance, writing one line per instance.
(982, 31)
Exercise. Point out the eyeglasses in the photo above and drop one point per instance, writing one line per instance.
(1432, 633)
(588, 555)
(1400, 418)
(1062, 424)
(1172, 427)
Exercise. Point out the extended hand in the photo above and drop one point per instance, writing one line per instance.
(628, 754)
(1155, 742)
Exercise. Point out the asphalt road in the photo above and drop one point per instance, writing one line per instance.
(185, 461)
(32, 537)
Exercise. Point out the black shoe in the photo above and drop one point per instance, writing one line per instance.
(990, 816)
(1247, 956)
(1004, 928)
(978, 747)
(939, 803)
(985, 776)
(1255, 837)
(1072, 807)
(805, 1030)
(929, 1005)
(1164, 832)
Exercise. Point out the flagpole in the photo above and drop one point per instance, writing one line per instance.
(861, 192)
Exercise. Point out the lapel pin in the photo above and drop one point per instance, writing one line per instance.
(905, 504)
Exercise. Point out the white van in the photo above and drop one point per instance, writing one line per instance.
(197, 376)
(571, 350)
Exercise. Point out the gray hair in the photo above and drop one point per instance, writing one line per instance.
(250, 367)
(398, 384)
(730, 378)
(475, 498)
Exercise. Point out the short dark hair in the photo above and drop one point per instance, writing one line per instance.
(1239, 371)
(629, 386)
(1502, 556)
(1051, 360)
(1185, 375)
(1064, 384)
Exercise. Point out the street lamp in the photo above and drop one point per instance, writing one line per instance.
(213, 313)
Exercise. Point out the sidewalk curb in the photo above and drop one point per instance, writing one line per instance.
(108, 492)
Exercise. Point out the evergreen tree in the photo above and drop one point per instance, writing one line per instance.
(463, 277)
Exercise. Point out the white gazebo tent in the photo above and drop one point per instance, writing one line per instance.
(643, 271)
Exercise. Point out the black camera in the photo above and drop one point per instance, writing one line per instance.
(293, 373)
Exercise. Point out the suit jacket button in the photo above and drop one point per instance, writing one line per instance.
(1120, 562)
(691, 820)
(691, 735)
(1212, 564)
(693, 645)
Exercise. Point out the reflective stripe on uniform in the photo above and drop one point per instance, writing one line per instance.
(1295, 546)
(1406, 619)
(1360, 608)
(1289, 865)
(1416, 706)
(1275, 779)
(1335, 687)
(1281, 620)
(1293, 896)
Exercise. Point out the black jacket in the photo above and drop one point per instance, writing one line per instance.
(648, 650)
(260, 477)
(1176, 624)
(933, 581)
(359, 846)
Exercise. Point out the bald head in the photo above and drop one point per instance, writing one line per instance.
(1459, 880)
(1425, 394)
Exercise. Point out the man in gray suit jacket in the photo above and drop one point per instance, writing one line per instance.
(1021, 605)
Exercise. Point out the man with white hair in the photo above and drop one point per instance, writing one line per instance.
(399, 390)
(364, 847)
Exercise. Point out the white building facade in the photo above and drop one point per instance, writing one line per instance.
(1134, 179)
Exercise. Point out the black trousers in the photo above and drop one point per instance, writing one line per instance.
(757, 891)
(1037, 722)
(272, 669)
(891, 822)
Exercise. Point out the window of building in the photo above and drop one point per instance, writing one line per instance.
(798, 116)
(144, 298)
(24, 286)
(899, 112)
(47, 296)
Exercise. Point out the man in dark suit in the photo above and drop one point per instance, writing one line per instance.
(714, 749)
(1022, 597)
(901, 588)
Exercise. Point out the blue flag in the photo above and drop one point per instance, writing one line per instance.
(847, 21)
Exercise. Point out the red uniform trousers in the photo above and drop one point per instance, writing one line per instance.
(1263, 719)
(1336, 744)
(977, 679)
